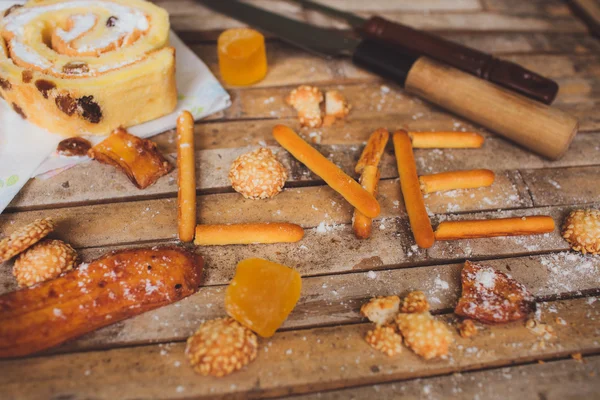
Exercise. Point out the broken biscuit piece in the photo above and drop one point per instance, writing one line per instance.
(467, 328)
(426, 336)
(306, 100)
(415, 302)
(491, 296)
(381, 310)
(385, 339)
(336, 107)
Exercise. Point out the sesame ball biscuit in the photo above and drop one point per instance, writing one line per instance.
(44, 261)
(257, 174)
(25, 237)
(220, 347)
(582, 230)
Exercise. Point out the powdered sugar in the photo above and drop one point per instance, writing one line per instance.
(486, 278)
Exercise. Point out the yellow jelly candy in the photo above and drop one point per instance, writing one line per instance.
(262, 294)
(242, 56)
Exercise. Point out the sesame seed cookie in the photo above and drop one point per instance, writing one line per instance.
(220, 347)
(582, 230)
(257, 174)
(44, 261)
(25, 237)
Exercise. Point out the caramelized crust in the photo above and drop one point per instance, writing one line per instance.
(116, 286)
(491, 296)
(137, 158)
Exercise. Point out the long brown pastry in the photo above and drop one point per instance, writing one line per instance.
(411, 191)
(259, 233)
(368, 168)
(114, 287)
(454, 230)
(337, 179)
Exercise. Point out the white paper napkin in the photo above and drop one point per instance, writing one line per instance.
(27, 151)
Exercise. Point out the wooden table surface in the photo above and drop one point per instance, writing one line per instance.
(320, 351)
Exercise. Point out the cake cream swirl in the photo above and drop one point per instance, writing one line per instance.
(47, 36)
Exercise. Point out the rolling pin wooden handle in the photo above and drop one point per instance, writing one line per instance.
(504, 73)
(540, 128)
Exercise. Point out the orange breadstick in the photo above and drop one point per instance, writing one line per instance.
(448, 140)
(374, 149)
(360, 222)
(219, 235)
(186, 178)
(351, 190)
(409, 182)
(452, 230)
(456, 180)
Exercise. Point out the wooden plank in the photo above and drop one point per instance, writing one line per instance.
(515, 42)
(431, 14)
(460, 21)
(552, 380)
(329, 248)
(336, 299)
(183, 6)
(589, 12)
(531, 7)
(295, 362)
(73, 187)
(148, 220)
(288, 66)
(79, 185)
(563, 185)
(368, 99)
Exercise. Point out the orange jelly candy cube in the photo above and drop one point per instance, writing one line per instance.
(262, 294)
(242, 56)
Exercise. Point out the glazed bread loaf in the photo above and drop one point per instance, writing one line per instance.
(87, 67)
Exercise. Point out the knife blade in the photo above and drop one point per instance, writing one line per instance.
(536, 126)
(504, 73)
(317, 40)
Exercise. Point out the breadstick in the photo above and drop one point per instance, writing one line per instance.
(456, 180)
(448, 140)
(186, 178)
(351, 190)
(411, 191)
(453, 230)
(360, 222)
(220, 235)
(374, 149)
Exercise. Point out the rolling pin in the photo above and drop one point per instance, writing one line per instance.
(538, 127)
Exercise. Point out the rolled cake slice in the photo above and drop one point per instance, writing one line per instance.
(86, 67)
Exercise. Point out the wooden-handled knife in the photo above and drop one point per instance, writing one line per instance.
(419, 43)
(536, 126)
